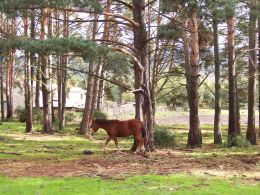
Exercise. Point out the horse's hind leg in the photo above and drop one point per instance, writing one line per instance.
(140, 145)
(116, 142)
(108, 140)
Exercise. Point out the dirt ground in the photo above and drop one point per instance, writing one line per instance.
(115, 165)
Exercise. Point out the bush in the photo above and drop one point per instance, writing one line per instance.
(164, 137)
(37, 114)
(21, 114)
(238, 141)
(70, 116)
(99, 114)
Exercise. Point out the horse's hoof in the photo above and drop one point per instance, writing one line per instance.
(88, 152)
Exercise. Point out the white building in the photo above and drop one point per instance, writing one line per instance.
(76, 97)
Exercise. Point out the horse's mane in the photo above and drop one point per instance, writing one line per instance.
(105, 121)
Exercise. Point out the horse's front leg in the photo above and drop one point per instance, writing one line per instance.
(108, 140)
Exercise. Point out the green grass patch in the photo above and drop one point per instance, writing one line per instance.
(67, 145)
(149, 184)
(15, 144)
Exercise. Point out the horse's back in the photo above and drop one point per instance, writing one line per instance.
(135, 125)
(127, 127)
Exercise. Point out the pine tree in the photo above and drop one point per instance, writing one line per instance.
(251, 132)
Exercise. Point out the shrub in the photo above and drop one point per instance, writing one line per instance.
(21, 114)
(37, 114)
(99, 114)
(238, 141)
(70, 116)
(164, 137)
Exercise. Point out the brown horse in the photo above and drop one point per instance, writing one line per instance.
(117, 128)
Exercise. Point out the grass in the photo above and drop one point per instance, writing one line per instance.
(17, 146)
(69, 145)
(148, 184)
(66, 145)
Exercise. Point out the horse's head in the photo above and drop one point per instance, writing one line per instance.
(94, 126)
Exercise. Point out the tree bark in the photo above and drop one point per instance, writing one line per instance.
(32, 55)
(251, 132)
(64, 62)
(2, 89)
(49, 64)
(95, 88)
(85, 123)
(62, 83)
(86, 115)
(232, 131)
(142, 78)
(156, 62)
(10, 72)
(259, 70)
(27, 83)
(238, 125)
(101, 91)
(45, 69)
(99, 84)
(38, 85)
(9, 84)
(2, 76)
(194, 137)
(217, 125)
(141, 52)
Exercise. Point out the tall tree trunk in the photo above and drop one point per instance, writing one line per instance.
(155, 61)
(2, 75)
(63, 76)
(27, 82)
(95, 88)
(10, 72)
(194, 137)
(232, 132)
(38, 84)
(85, 123)
(64, 79)
(142, 79)
(9, 83)
(101, 91)
(106, 34)
(217, 126)
(238, 125)
(59, 73)
(49, 64)
(2, 88)
(186, 50)
(32, 55)
(85, 120)
(140, 45)
(251, 133)
(59, 90)
(259, 70)
(45, 69)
